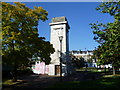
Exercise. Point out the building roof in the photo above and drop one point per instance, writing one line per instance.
(81, 52)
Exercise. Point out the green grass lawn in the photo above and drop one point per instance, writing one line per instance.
(107, 81)
(10, 82)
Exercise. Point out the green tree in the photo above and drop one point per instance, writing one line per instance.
(20, 39)
(108, 35)
(44, 50)
(78, 62)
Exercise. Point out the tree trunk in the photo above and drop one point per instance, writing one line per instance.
(15, 65)
(15, 74)
(105, 69)
(14, 79)
(113, 70)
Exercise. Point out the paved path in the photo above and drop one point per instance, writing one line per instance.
(35, 82)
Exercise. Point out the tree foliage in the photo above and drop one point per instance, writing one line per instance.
(20, 39)
(108, 35)
(78, 62)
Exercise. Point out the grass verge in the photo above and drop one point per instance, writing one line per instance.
(10, 82)
(107, 81)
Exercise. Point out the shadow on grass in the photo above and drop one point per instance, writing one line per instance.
(80, 79)
(103, 82)
(31, 82)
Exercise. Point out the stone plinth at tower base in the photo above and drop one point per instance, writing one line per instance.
(55, 70)
(59, 38)
(51, 69)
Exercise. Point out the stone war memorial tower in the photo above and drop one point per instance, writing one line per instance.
(60, 40)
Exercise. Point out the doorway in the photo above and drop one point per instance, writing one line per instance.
(57, 69)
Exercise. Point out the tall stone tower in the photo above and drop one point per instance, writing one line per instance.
(59, 30)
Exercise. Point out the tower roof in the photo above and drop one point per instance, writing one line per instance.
(60, 20)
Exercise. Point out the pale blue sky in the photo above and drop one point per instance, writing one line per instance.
(79, 16)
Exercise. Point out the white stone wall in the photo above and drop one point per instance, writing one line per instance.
(55, 29)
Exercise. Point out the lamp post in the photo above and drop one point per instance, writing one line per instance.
(60, 38)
